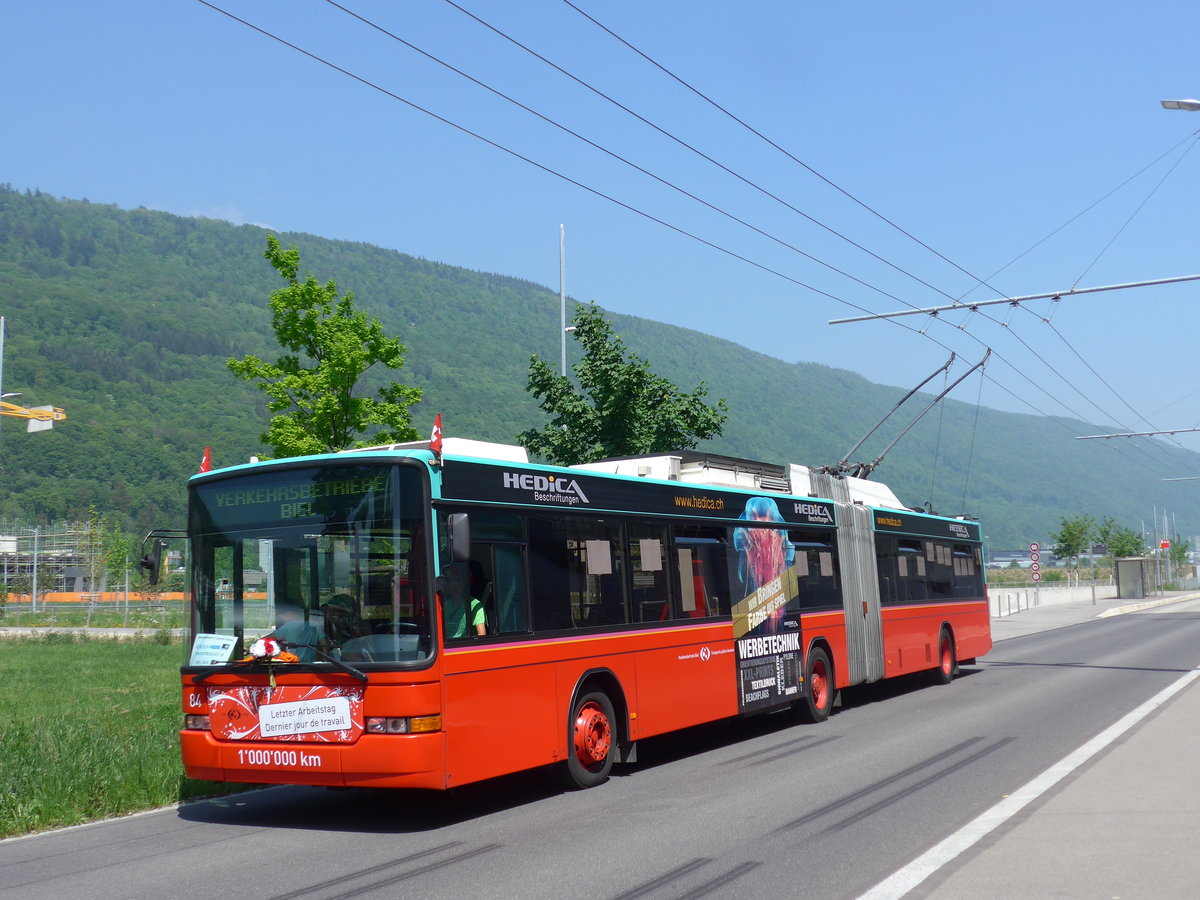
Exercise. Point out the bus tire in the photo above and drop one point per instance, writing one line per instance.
(819, 688)
(943, 672)
(591, 741)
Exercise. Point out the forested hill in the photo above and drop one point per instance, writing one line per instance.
(125, 319)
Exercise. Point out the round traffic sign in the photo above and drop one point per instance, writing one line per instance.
(1035, 547)
(1037, 576)
(1035, 556)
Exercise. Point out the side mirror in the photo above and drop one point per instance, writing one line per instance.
(460, 537)
(152, 561)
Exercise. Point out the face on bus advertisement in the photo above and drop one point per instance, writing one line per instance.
(764, 556)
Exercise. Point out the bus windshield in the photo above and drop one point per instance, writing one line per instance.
(328, 559)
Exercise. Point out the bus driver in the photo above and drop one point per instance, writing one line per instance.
(462, 614)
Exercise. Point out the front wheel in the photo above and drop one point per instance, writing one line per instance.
(591, 741)
(818, 686)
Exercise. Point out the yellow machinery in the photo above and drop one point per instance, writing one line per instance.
(40, 417)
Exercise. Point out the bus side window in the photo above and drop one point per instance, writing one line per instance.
(913, 572)
(549, 564)
(650, 590)
(497, 566)
(576, 573)
(968, 580)
(887, 565)
(940, 566)
(705, 561)
(509, 588)
(599, 586)
(817, 575)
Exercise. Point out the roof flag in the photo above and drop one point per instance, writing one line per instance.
(206, 460)
(435, 439)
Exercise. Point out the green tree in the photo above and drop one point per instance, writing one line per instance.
(1178, 553)
(1119, 541)
(1073, 537)
(118, 557)
(621, 408)
(92, 538)
(312, 388)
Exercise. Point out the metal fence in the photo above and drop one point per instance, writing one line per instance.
(151, 613)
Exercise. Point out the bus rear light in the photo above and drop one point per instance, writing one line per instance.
(196, 723)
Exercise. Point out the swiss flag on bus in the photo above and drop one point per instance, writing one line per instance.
(206, 460)
(435, 439)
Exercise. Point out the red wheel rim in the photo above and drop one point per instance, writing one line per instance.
(819, 684)
(593, 735)
(947, 658)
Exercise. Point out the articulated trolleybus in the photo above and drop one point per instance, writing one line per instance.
(395, 617)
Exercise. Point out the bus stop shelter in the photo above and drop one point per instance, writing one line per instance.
(1135, 577)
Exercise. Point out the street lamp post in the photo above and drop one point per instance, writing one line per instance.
(564, 328)
(562, 298)
(1189, 105)
(2, 394)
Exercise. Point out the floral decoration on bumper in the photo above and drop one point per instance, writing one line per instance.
(269, 650)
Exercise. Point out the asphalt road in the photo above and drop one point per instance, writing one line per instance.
(748, 808)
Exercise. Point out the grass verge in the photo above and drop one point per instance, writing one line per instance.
(89, 729)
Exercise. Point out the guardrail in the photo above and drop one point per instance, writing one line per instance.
(1004, 600)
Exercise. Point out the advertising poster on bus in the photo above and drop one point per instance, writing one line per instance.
(766, 635)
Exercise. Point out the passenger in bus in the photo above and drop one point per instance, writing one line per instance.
(300, 637)
(342, 621)
(462, 613)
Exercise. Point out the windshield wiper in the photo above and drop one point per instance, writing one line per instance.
(350, 670)
(337, 663)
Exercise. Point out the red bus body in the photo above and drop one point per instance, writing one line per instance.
(505, 702)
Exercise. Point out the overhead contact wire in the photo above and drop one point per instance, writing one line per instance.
(610, 153)
(540, 166)
(689, 147)
(1133, 214)
(786, 153)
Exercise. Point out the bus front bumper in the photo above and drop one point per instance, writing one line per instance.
(374, 760)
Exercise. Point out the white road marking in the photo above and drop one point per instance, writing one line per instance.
(904, 880)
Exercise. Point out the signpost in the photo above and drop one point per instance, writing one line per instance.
(1035, 567)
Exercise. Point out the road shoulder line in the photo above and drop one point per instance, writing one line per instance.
(904, 880)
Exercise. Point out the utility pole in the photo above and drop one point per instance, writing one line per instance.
(34, 598)
(2, 369)
(562, 297)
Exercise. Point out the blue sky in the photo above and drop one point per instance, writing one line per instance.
(981, 129)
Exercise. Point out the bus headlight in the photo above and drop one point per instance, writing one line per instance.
(403, 725)
(389, 725)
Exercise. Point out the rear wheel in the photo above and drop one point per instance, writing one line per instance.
(591, 740)
(947, 665)
(818, 686)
